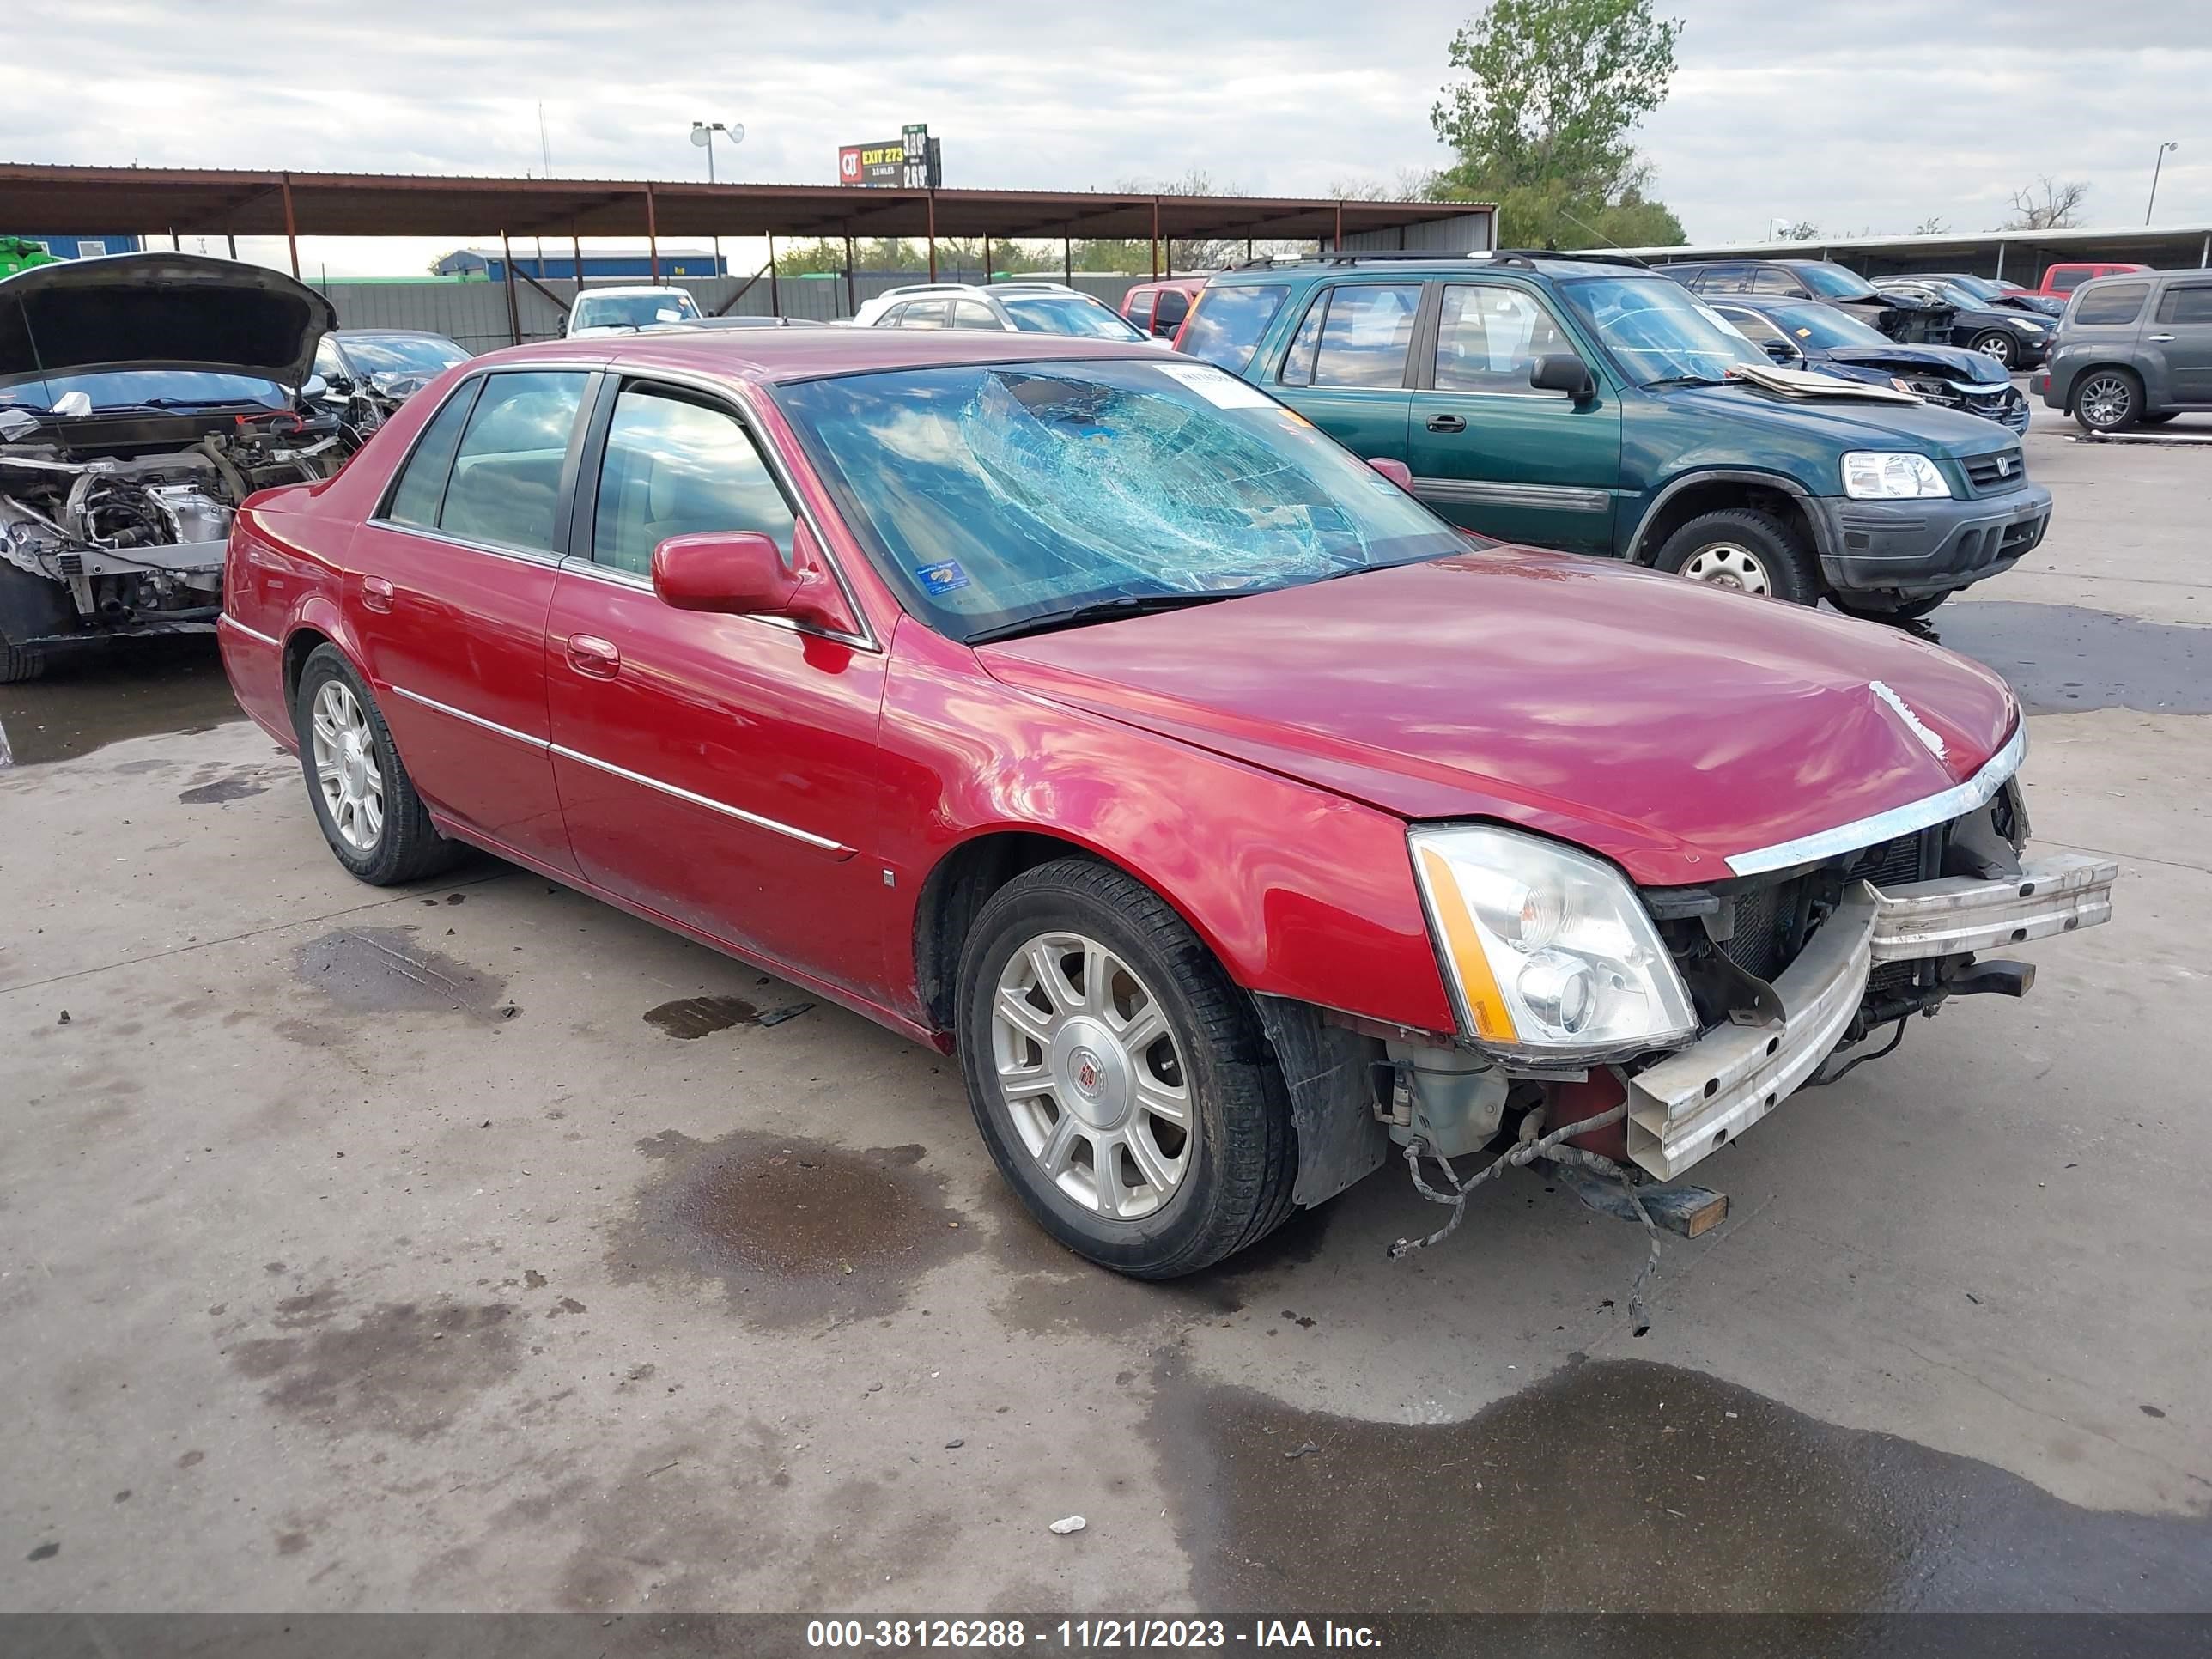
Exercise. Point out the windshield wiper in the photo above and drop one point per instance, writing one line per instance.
(1129, 605)
(1684, 379)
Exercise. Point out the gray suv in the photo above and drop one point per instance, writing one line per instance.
(2132, 349)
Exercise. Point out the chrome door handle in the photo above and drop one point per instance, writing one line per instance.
(375, 595)
(593, 657)
(2162, 338)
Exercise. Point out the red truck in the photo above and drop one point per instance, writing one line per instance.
(1089, 715)
(2060, 281)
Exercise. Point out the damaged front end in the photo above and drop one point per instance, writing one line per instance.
(143, 399)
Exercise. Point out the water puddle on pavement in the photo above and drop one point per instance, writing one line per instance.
(2067, 660)
(1625, 1485)
(139, 690)
(796, 1231)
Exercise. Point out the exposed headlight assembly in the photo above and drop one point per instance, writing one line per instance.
(1885, 475)
(1548, 952)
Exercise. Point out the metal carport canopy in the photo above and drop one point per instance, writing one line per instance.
(72, 200)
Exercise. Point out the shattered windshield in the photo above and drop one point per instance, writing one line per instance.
(1658, 331)
(1000, 494)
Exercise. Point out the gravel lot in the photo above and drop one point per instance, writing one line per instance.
(412, 1250)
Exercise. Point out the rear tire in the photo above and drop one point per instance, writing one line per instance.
(2108, 400)
(376, 824)
(1062, 962)
(1745, 549)
(19, 663)
(31, 607)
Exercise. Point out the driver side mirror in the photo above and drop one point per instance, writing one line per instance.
(741, 572)
(1562, 371)
(1782, 351)
(1396, 471)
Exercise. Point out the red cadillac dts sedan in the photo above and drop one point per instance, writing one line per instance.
(1090, 715)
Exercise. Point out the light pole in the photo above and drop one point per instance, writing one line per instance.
(702, 135)
(2171, 143)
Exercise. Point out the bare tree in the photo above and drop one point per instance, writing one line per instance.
(2044, 205)
(1932, 225)
(1796, 230)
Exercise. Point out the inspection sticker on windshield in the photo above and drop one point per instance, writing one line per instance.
(941, 578)
(1221, 390)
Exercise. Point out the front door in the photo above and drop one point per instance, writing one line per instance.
(1491, 453)
(719, 770)
(1346, 369)
(448, 592)
(2182, 329)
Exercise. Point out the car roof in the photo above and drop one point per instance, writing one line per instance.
(1516, 262)
(636, 287)
(393, 334)
(771, 355)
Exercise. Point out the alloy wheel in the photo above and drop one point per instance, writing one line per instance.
(1997, 347)
(346, 769)
(1091, 1076)
(2106, 401)
(1728, 564)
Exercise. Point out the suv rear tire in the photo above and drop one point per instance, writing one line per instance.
(2108, 400)
(1741, 548)
(1156, 1156)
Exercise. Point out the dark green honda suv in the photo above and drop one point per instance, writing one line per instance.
(1591, 404)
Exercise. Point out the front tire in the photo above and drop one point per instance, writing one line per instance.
(1744, 549)
(376, 824)
(2108, 400)
(1996, 345)
(1118, 1076)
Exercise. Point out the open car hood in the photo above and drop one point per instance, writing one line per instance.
(1656, 721)
(161, 310)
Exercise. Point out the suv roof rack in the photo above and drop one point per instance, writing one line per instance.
(1529, 256)
(1525, 257)
(1018, 286)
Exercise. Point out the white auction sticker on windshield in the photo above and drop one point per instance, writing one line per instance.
(1223, 391)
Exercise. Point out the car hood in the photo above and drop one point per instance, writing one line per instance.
(1952, 362)
(1664, 724)
(160, 311)
(1845, 421)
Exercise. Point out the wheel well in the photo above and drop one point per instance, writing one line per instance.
(1714, 495)
(297, 649)
(954, 894)
(2081, 377)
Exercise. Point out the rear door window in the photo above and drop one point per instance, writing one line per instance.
(2192, 304)
(924, 314)
(972, 313)
(1769, 280)
(1225, 328)
(506, 483)
(1356, 334)
(1489, 338)
(1140, 307)
(422, 481)
(2120, 303)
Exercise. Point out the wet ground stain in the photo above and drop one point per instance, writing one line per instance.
(139, 690)
(2066, 659)
(795, 1231)
(403, 1367)
(376, 970)
(1629, 1486)
(692, 1017)
(221, 790)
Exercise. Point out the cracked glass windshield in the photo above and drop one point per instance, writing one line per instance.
(1011, 498)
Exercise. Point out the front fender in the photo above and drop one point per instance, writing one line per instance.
(1299, 892)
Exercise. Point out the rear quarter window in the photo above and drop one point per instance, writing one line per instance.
(1226, 324)
(2120, 303)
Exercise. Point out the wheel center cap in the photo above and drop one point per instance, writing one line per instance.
(354, 767)
(1094, 1071)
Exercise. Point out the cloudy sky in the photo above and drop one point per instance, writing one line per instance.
(1871, 116)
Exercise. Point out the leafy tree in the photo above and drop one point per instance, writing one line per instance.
(1542, 123)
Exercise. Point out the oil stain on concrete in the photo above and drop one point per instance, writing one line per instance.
(150, 687)
(796, 1233)
(223, 789)
(2068, 659)
(692, 1017)
(1629, 1486)
(381, 970)
(401, 1368)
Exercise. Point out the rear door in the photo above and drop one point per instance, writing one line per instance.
(2181, 331)
(1488, 449)
(449, 595)
(719, 770)
(1349, 367)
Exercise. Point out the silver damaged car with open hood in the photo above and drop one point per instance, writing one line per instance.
(142, 397)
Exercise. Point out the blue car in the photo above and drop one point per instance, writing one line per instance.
(1798, 334)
